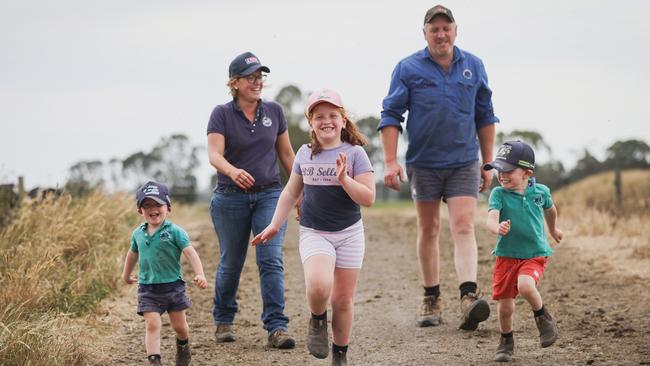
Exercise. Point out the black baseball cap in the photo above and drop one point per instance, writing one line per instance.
(154, 190)
(511, 155)
(438, 10)
(245, 64)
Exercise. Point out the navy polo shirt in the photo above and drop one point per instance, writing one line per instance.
(445, 109)
(250, 146)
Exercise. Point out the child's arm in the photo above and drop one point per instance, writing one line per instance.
(287, 200)
(129, 263)
(494, 226)
(197, 267)
(361, 188)
(551, 220)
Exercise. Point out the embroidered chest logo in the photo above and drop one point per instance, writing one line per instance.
(538, 200)
(467, 74)
(266, 121)
(165, 236)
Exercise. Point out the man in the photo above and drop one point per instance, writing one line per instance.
(450, 118)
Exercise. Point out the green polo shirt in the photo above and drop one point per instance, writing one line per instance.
(159, 255)
(527, 237)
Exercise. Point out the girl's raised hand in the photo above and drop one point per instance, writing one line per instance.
(342, 167)
(263, 237)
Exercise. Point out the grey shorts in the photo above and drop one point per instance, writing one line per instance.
(430, 184)
(163, 297)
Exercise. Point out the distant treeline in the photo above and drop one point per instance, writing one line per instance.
(174, 159)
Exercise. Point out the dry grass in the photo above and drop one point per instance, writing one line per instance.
(60, 257)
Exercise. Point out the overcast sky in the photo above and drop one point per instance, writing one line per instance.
(94, 80)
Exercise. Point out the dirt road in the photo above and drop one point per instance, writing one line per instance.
(603, 310)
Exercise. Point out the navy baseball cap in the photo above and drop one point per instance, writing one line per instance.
(511, 155)
(438, 10)
(154, 190)
(246, 64)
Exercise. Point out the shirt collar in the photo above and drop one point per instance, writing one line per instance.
(145, 224)
(458, 54)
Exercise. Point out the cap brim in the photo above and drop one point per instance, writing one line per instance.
(254, 68)
(162, 202)
(318, 102)
(500, 166)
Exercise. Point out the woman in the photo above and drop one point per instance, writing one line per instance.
(246, 137)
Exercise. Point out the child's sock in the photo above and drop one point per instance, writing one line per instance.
(182, 342)
(432, 291)
(336, 348)
(506, 335)
(467, 287)
(322, 316)
(539, 312)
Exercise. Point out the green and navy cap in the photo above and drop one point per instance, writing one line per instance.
(511, 155)
(438, 10)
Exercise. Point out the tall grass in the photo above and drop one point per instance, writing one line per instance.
(590, 206)
(60, 257)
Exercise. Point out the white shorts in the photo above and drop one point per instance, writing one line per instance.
(346, 246)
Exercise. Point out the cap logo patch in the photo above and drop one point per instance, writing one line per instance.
(251, 60)
(467, 74)
(267, 122)
(151, 191)
(504, 151)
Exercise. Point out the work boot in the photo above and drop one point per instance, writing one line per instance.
(317, 338)
(473, 310)
(154, 361)
(183, 354)
(224, 333)
(339, 359)
(505, 349)
(281, 339)
(430, 311)
(547, 326)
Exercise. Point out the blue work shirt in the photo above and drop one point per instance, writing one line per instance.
(445, 109)
(250, 145)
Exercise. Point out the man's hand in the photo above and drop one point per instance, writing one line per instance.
(486, 180)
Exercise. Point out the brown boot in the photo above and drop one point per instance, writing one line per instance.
(281, 339)
(183, 354)
(473, 310)
(317, 338)
(224, 333)
(547, 326)
(505, 349)
(430, 312)
(339, 359)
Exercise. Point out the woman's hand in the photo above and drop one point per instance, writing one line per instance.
(241, 178)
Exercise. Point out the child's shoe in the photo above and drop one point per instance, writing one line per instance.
(183, 355)
(339, 359)
(154, 360)
(547, 326)
(317, 338)
(505, 349)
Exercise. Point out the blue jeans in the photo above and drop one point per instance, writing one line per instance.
(234, 213)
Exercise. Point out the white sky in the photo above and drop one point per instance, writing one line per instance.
(86, 79)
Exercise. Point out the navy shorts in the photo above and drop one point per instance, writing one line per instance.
(430, 184)
(163, 297)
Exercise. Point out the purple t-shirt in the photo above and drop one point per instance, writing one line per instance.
(325, 204)
(250, 146)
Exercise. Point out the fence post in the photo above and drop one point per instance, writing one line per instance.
(21, 188)
(617, 187)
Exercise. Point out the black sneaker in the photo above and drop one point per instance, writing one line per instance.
(154, 361)
(317, 338)
(505, 349)
(281, 339)
(473, 310)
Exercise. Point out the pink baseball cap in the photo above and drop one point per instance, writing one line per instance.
(323, 96)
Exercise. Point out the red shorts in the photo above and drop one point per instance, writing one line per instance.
(507, 270)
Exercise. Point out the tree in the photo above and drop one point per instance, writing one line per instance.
(533, 138)
(628, 154)
(85, 176)
(586, 166)
(291, 99)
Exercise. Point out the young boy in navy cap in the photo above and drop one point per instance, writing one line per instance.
(516, 213)
(156, 245)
